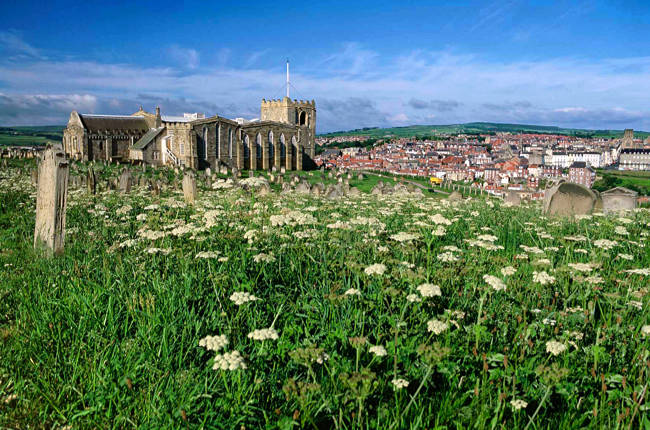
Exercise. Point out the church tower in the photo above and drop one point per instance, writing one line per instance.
(301, 113)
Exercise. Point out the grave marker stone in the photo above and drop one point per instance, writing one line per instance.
(51, 198)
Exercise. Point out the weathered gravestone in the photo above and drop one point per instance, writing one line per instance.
(567, 199)
(51, 197)
(354, 191)
(264, 189)
(283, 170)
(303, 188)
(208, 173)
(455, 196)
(34, 177)
(513, 197)
(378, 189)
(618, 199)
(189, 187)
(360, 177)
(125, 181)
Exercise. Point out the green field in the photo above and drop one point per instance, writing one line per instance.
(476, 128)
(388, 312)
(29, 136)
(637, 181)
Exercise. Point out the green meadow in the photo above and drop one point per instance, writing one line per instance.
(292, 311)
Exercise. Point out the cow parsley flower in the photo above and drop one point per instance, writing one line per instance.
(229, 361)
(207, 254)
(375, 269)
(214, 343)
(619, 229)
(429, 290)
(605, 244)
(413, 298)
(518, 404)
(543, 278)
(555, 348)
(404, 237)
(508, 270)
(264, 258)
(496, 283)
(447, 257)
(437, 326)
(399, 383)
(378, 350)
(263, 334)
(241, 297)
(645, 272)
(581, 267)
(352, 292)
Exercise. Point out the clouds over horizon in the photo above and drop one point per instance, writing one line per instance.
(354, 87)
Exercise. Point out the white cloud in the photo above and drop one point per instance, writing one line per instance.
(185, 57)
(356, 87)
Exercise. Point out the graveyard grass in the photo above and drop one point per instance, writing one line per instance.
(393, 311)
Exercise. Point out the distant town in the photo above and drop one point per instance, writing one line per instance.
(495, 163)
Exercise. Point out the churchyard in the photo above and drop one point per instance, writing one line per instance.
(227, 302)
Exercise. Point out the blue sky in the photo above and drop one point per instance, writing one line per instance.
(366, 63)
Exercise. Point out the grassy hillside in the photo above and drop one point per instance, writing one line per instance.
(31, 135)
(292, 311)
(478, 127)
(637, 181)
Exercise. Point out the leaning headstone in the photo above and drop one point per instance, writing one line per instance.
(618, 199)
(303, 188)
(455, 196)
(264, 189)
(189, 187)
(513, 198)
(125, 181)
(51, 197)
(34, 176)
(567, 199)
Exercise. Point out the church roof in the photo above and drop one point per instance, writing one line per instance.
(147, 138)
(620, 190)
(113, 122)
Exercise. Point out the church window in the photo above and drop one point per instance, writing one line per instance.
(230, 143)
(258, 146)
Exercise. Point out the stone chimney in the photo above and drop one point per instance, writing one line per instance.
(158, 118)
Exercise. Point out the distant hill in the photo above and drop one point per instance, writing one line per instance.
(28, 135)
(478, 127)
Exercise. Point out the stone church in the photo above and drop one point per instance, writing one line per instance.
(284, 136)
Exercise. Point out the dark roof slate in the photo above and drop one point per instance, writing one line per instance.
(113, 122)
(147, 138)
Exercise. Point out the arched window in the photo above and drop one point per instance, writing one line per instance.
(247, 143)
(258, 146)
(283, 146)
(217, 141)
(303, 118)
(294, 147)
(271, 145)
(203, 146)
(230, 143)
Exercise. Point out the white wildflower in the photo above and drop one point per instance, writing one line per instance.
(241, 297)
(352, 292)
(214, 343)
(229, 361)
(496, 283)
(263, 334)
(518, 404)
(555, 347)
(378, 350)
(508, 271)
(543, 278)
(437, 326)
(375, 269)
(429, 290)
(399, 383)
